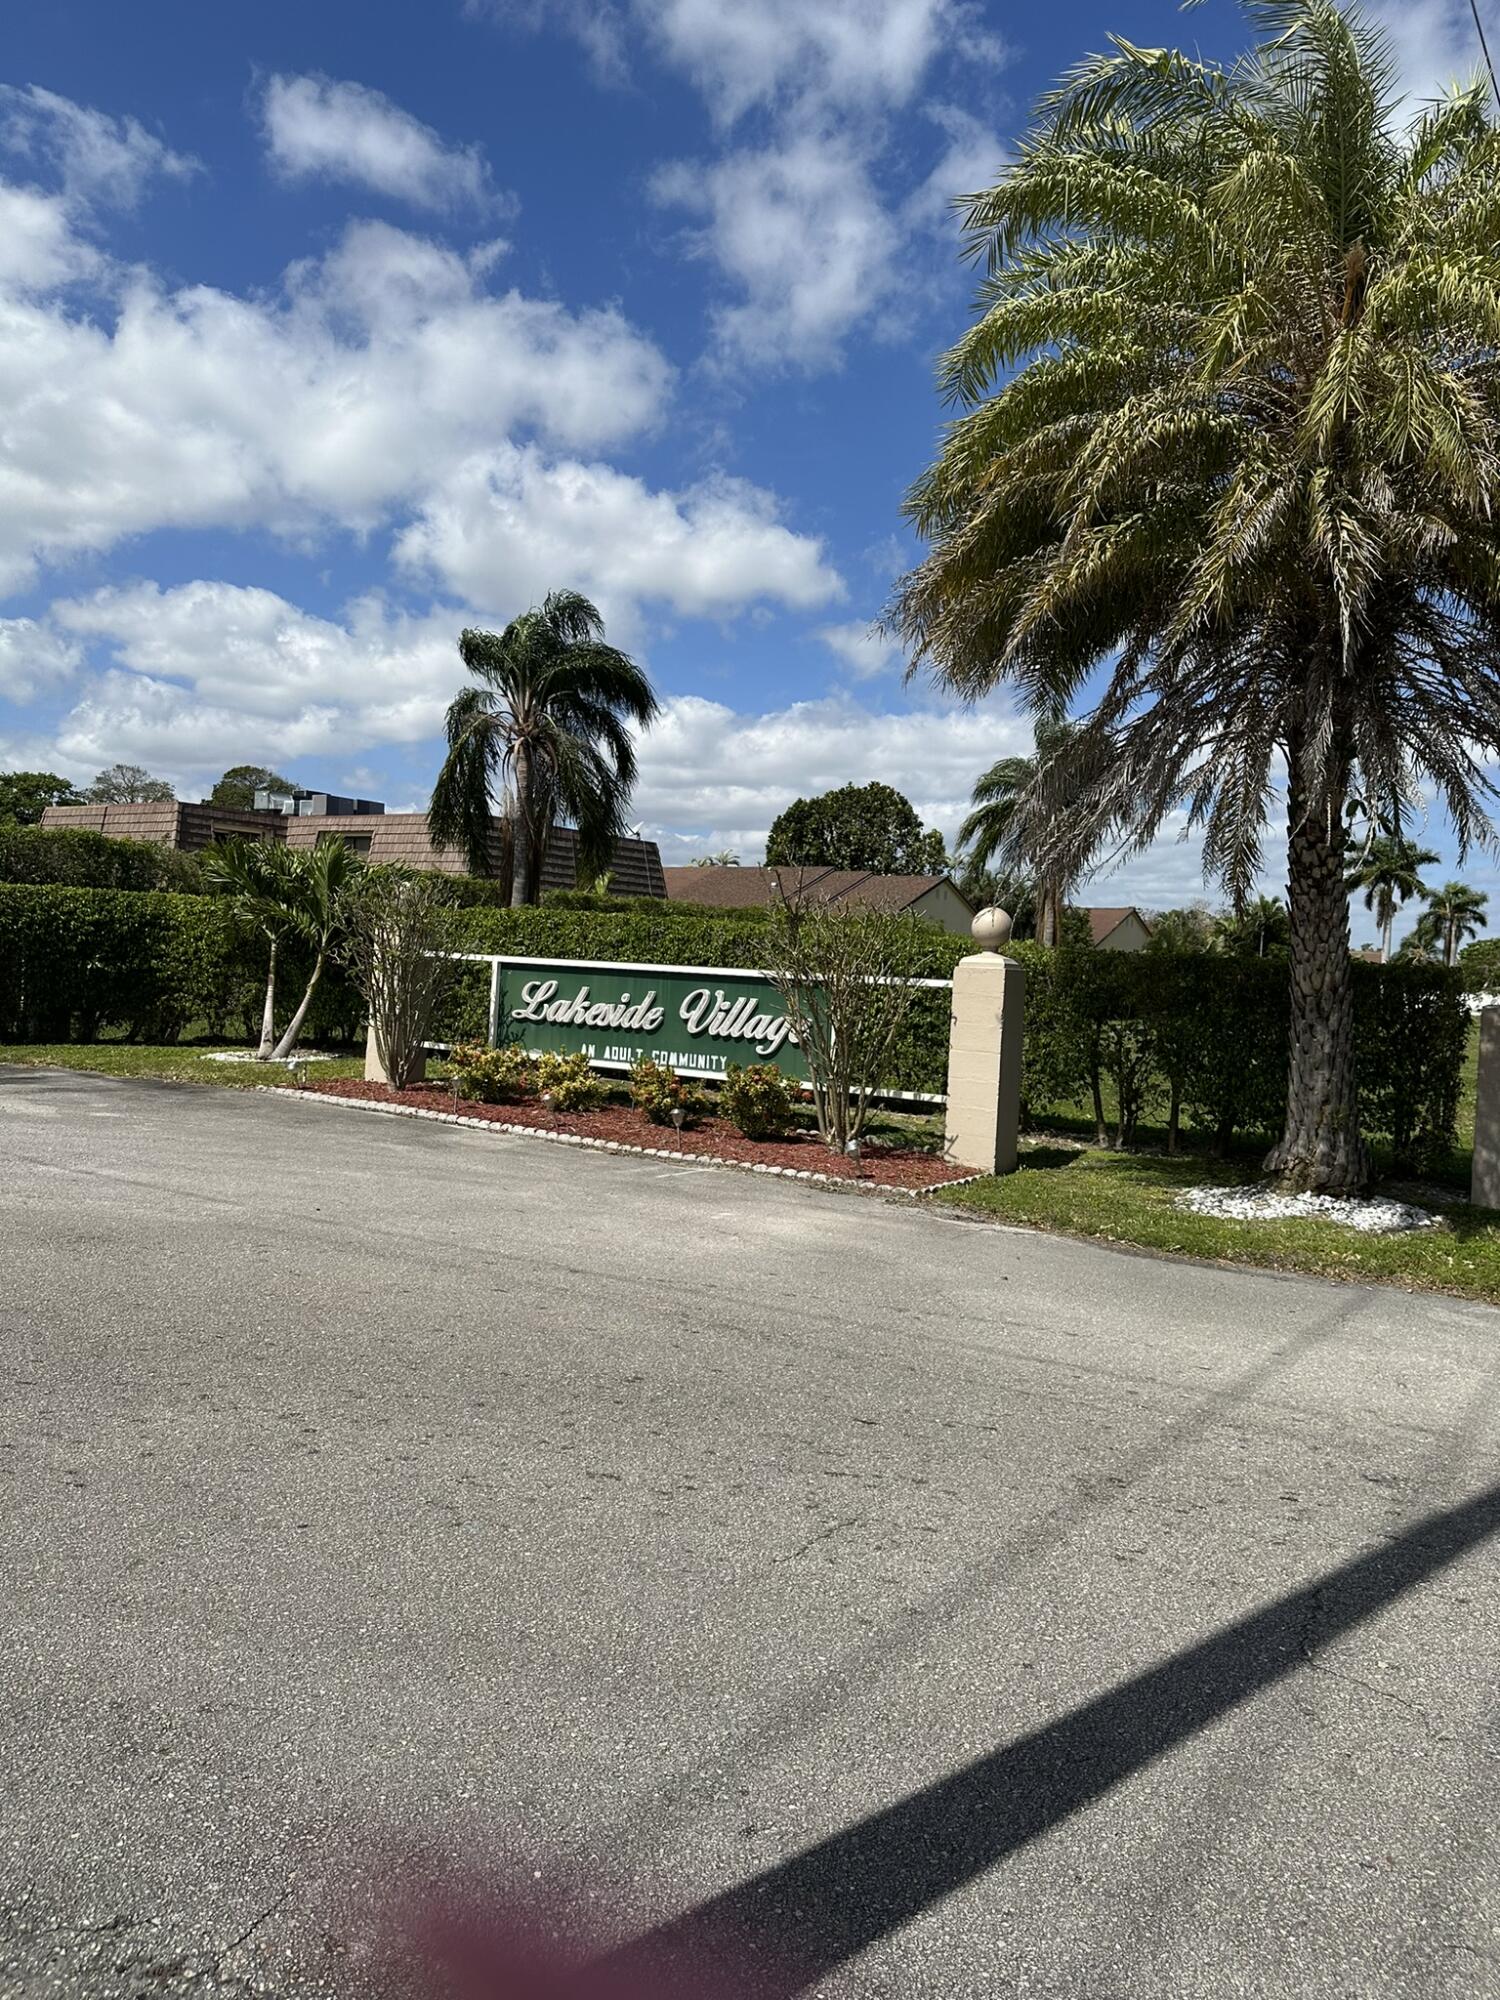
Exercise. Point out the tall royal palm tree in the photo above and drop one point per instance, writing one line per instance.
(551, 721)
(999, 829)
(1456, 913)
(1230, 442)
(1389, 871)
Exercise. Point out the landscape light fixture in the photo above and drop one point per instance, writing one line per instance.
(678, 1115)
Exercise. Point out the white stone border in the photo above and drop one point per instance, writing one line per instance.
(609, 1145)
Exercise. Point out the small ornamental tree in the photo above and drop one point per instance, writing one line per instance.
(845, 980)
(401, 931)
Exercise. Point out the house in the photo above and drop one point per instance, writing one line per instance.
(932, 897)
(1118, 930)
(369, 829)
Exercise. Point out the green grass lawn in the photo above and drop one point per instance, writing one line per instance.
(1129, 1198)
(1073, 1188)
(185, 1062)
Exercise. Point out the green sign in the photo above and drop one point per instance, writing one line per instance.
(696, 1019)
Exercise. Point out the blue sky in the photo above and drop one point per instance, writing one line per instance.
(327, 329)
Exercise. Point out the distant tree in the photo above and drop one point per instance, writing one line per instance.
(26, 795)
(1481, 966)
(726, 859)
(240, 783)
(1423, 943)
(1455, 912)
(1261, 929)
(1189, 929)
(858, 826)
(987, 888)
(1000, 826)
(1388, 870)
(128, 785)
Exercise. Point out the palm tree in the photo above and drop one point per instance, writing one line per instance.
(999, 826)
(1228, 452)
(1456, 913)
(257, 875)
(1388, 870)
(322, 881)
(551, 717)
(284, 893)
(1260, 929)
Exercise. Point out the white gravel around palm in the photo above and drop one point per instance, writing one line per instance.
(1372, 1217)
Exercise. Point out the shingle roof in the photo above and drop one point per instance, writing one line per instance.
(635, 870)
(724, 888)
(1102, 922)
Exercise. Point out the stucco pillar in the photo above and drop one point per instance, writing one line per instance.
(1484, 1188)
(984, 1053)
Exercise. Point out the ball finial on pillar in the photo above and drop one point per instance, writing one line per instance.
(991, 929)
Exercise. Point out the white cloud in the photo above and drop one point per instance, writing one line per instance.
(376, 372)
(1434, 43)
(39, 246)
(32, 656)
(319, 128)
(713, 778)
(863, 54)
(98, 159)
(972, 160)
(860, 53)
(800, 231)
(863, 651)
(797, 217)
(210, 672)
(511, 523)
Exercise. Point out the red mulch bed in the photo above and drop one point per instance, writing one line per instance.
(715, 1139)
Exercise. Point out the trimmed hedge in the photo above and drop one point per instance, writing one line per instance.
(1189, 1038)
(79, 859)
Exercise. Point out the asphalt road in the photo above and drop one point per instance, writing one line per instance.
(933, 1609)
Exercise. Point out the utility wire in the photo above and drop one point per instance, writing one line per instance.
(1484, 48)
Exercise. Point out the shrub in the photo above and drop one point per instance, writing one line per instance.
(573, 1084)
(81, 859)
(844, 977)
(759, 1101)
(504, 1075)
(659, 1091)
(400, 933)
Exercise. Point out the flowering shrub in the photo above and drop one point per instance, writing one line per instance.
(659, 1091)
(573, 1085)
(759, 1100)
(492, 1076)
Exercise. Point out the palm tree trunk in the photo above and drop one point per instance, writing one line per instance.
(1320, 1148)
(1385, 938)
(1450, 942)
(294, 1027)
(520, 860)
(268, 1014)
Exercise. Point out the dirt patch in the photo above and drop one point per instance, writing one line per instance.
(879, 1165)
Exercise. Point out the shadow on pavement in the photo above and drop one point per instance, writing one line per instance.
(824, 1906)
